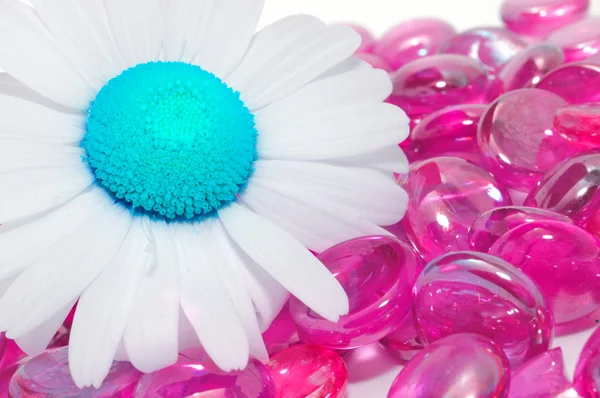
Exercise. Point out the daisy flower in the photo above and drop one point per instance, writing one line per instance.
(168, 169)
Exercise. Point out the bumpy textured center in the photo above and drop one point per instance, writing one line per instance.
(170, 139)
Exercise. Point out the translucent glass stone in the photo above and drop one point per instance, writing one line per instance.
(579, 40)
(446, 195)
(527, 68)
(563, 260)
(367, 38)
(282, 334)
(587, 371)
(462, 365)
(377, 273)
(493, 47)
(577, 83)
(469, 292)
(580, 124)
(404, 342)
(517, 137)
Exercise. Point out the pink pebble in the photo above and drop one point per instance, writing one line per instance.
(542, 376)
(528, 67)
(462, 365)
(493, 47)
(580, 124)
(10, 353)
(446, 195)
(517, 139)
(200, 378)
(429, 84)
(587, 371)
(571, 188)
(282, 334)
(541, 17)
(470, 292)
(377, 273)
(492, 224)
(449, 131)
(367, 37)
(374, 60)
(579, 40)
(412, 40)
(593, 225)
(576, 83)
(308, 371)
(405, 342)
(47, 375)
(564, 261)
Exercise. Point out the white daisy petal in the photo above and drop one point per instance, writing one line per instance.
(349, 65)
(104, 307)
(359, 85)
(151, 334)
(286, 260)
(9, 86)
(229, 32)
(20, 118)
(81, 28)
(391, 159)
(27, 192)
(137, 27)
(36, 341)
(28, 53)
(21, 245)
(19, 153)
(205, 299)
(336, 131)
(298, 64)
(57, 276)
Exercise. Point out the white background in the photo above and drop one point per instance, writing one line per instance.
(371, 370)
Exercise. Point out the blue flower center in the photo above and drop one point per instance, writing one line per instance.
(170, 139)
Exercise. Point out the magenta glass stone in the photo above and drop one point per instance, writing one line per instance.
(47, 375)
(542, 376)
(367, 38)
(470, 292)
(571, 188)
(282, 334)
(493, 47)
(587, 371)
(517, 138)
(580, 124)
(10, 353)
(527, 68)
(404, 342)
(564, 261)
(539, 18)
(429, 84)
(377, 273)
(309, 371)
(462, 365)
(492, 224)
(449, 131)
(374, 60)
(577, 83)
(200, 378)
(446, 195)
(412, 40)
(579, 40)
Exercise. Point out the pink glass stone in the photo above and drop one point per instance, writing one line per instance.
(462, 365)
(309, 371)
(429, 84)
(492, 224)
(368, 40)
(541, 17)
(377, 273)
(470, 292)
(446, 195)
(449, 131)
(412, 40)
(587, 371)
(517, 139)
(579, 40)
(580, 124)
(577, 83)
(374, 60)
(493, 47)
(542, 376)
(571, 188)
(47, 375)
(527, 68)
(404, 342)
(593, 225)
(564, 261)
(200, 378)
(282, 334)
